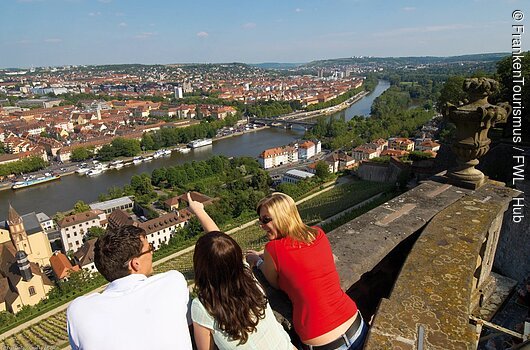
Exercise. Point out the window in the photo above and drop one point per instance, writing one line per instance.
(32, 291)
(77, 242)
(67, 235)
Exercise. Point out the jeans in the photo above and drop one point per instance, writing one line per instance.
(357, 340)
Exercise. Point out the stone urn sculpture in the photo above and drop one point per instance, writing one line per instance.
(473, 119)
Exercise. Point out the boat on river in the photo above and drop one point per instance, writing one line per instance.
(200, 143)
(184, 150)
(94, 172)
(32, 182)
(82, 171)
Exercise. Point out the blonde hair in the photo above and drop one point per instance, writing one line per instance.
(286, 218)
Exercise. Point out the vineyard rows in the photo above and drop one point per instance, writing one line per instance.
(48, 334)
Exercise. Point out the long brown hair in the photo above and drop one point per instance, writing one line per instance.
(286, 218)
(226, 287)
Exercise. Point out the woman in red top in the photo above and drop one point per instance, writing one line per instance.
(299, 261)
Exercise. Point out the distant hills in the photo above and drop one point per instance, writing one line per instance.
(334, 62)
(485, 57)
(275, 65)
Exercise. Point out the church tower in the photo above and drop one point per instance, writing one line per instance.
(17, 231)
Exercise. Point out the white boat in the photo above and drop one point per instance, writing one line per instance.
(82, 171)
(119, 166)
(167, 152)
(94, 172)
(137, 160)
(39, 180)
(158, 154)
(115, 163)
(200, 143)
(183, 149)
(148, 159)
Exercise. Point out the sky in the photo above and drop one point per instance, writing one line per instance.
(35, 33)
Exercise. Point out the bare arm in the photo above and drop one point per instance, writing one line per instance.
(206, 221)
(203, 337)
(267, 267)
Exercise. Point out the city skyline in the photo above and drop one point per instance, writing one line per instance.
(77, 32)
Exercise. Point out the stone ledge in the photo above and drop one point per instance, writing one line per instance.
(435, 285)
(362, 243)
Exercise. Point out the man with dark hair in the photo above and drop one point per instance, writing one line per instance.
(134, 311)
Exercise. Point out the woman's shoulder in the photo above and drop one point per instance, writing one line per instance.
(200, 315)
(319, 230)
(197, 305)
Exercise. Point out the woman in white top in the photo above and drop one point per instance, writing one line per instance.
(230, 307)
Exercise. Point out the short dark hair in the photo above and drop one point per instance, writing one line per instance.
(115, 248)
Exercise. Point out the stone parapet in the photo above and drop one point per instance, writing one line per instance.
(446, 275)
(362, 243)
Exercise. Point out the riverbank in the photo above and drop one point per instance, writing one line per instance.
(238, 133)
(71, 167)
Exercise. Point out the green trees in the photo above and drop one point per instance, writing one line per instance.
(270, 108)
(514, 75)
(106, 153)
(80, 207)
(119, 147)
(452, 92)
(94, 232)
(322, 170)
(147, 143)
(125, 147)
(23, 166)
(141, 184)
(80, 153)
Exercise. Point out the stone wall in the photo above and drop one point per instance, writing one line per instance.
(446, 275)
(512, 257)
(379, 172)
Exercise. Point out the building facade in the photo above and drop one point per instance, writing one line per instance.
(23, 247)
(26, 234)
(74, 228)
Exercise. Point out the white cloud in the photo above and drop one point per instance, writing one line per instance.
(122, 24)
(249, 25)
(92, 14)
(53, 40)
(202, 34)
(409, 9)
(298, 10)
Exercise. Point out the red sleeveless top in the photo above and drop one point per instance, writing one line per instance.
(307, 273)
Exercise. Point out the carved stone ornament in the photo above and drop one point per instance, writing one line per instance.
(473, 120)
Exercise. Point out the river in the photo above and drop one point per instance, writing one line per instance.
(61, 195)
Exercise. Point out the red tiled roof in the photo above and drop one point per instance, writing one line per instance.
(61, 265)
